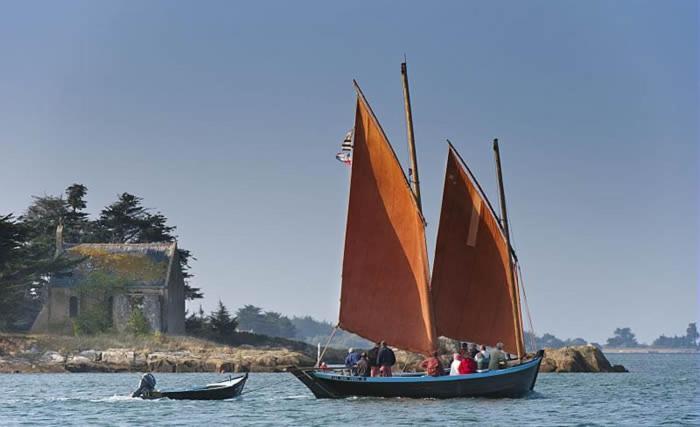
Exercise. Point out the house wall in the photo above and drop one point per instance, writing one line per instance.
(54, 316)
(175, 297)
(152, 311)
(121, 310)
(152, 308)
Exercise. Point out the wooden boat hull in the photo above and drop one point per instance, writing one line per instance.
(515, 381)
(218, 391)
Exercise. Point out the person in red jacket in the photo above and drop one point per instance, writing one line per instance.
(432, 365)
(467, 366)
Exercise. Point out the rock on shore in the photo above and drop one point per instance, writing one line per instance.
(584, 358)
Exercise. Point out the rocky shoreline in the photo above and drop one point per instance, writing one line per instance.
(37, 353)
(27, 354)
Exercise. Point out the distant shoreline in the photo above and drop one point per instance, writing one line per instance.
(649, 350)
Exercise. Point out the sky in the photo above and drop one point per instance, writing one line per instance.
(226, 117)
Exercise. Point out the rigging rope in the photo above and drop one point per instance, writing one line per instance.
(320, 358)
(264, 386)
(532, 334)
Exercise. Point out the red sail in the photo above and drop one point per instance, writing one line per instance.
(470, 286)
(385, 286)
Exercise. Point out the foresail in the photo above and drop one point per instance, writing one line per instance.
(470, 285)
(385, 284)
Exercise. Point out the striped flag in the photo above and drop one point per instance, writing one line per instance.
(345, 154)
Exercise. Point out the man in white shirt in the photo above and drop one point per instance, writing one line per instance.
(454, 366)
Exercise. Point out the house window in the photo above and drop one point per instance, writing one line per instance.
(73, 307)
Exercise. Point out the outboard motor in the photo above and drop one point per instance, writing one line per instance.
(146, 386)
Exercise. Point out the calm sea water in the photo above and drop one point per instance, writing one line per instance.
(660, 390)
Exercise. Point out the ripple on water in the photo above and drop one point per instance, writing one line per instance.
(659, 390)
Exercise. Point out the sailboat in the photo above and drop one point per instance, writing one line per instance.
(387, 292)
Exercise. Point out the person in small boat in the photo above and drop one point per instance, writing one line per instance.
(482, 359)
(385, 359)
(498, 358)
(432, 365)
(372, 359)
(362, 369)
(351, 360)
(146, 386)
(456, 362)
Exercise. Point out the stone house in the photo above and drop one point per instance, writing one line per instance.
(122, 278)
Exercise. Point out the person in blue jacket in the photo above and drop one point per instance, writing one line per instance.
(351, 360)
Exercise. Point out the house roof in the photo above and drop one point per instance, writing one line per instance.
(128, 264)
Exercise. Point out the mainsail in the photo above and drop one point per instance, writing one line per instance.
(471, 290)
(385, 291)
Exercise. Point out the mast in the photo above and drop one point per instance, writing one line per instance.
(413, 171)
(515, 294)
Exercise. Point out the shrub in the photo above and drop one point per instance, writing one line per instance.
(93, 319)
(137, 323)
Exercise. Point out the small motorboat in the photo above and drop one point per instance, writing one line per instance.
(216, 391)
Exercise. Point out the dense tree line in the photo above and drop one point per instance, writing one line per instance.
(622, 338)
(273, 324)
(219, 325)
(28, 242)
(550, 341)
(690, 340)
(270, 323)
(625, 338)
(313, 331)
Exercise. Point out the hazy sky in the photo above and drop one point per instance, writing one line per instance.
(227, 116)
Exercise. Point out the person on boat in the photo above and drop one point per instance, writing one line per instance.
(467, 366)
(498, 358)
(482, 359)
(463, 349)
(385, 359)
(146, 386)
(432, 365)
(456, 362)
(472, 350)
(372, 359)
(351, 360)
(362, 369)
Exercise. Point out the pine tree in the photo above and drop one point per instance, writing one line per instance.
(24, 269)
(221, 323)
(197, 324)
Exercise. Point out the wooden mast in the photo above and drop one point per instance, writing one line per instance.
(413, 171)
(515, 294)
